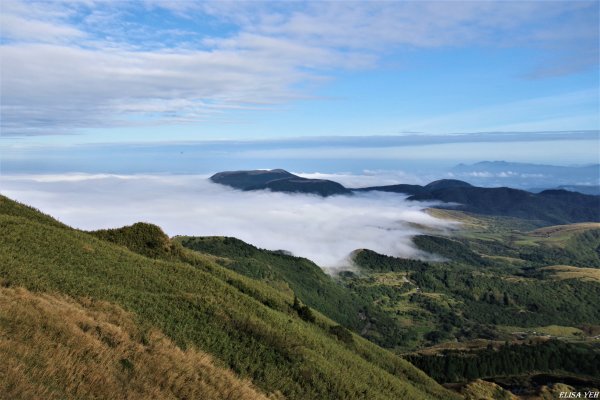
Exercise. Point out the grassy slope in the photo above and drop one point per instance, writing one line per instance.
(247, 325)
(313, 286)
(566, 272)
(53, 347)
(302, 277)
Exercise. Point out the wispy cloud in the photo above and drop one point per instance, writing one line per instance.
(67, 66)
(324, 230)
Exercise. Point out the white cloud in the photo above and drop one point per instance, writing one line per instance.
(70, 65)
(324, 230)
(16, 27)
(368, 178)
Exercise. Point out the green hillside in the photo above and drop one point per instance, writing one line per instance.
(246, 325)
(302, 277)
(285, 272)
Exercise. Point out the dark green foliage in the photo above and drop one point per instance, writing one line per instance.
(511, 359)
(321, 187)
(474, 300)
(142, 238)
(371, 260)
(550, 206)
(126, 364)
(303, 310)
(342, 334)
(446, 184)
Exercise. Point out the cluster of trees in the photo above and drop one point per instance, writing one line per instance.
(143, 238)
(303, 310)
(494, 298)
(509, 359)
(373, 261)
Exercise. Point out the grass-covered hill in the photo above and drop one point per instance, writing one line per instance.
(307, 280)
(294, 275)
(147, 322)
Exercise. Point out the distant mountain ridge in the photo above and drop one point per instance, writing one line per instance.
(556, 206)
(584, 189)
(549, 206)
(501, 166)
(278, 180)
(524, 176)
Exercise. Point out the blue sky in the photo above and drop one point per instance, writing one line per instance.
(85, 72)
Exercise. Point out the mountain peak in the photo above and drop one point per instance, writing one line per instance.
(278, 180)
(446, 184)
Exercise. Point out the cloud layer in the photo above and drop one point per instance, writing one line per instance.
(324, 230)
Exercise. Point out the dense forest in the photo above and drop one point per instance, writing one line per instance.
(510, 359)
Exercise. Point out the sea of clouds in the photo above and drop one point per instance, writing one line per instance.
(325, 230)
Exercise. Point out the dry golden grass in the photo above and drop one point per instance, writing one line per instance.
(394, 279)
(561, 230)
(53, 347)
(474, 344)
(568, 272)
(483, 390)
(467, 221)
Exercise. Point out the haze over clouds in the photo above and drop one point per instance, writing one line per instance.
(324, 230)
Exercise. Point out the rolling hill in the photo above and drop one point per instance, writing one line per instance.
(550, 207)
